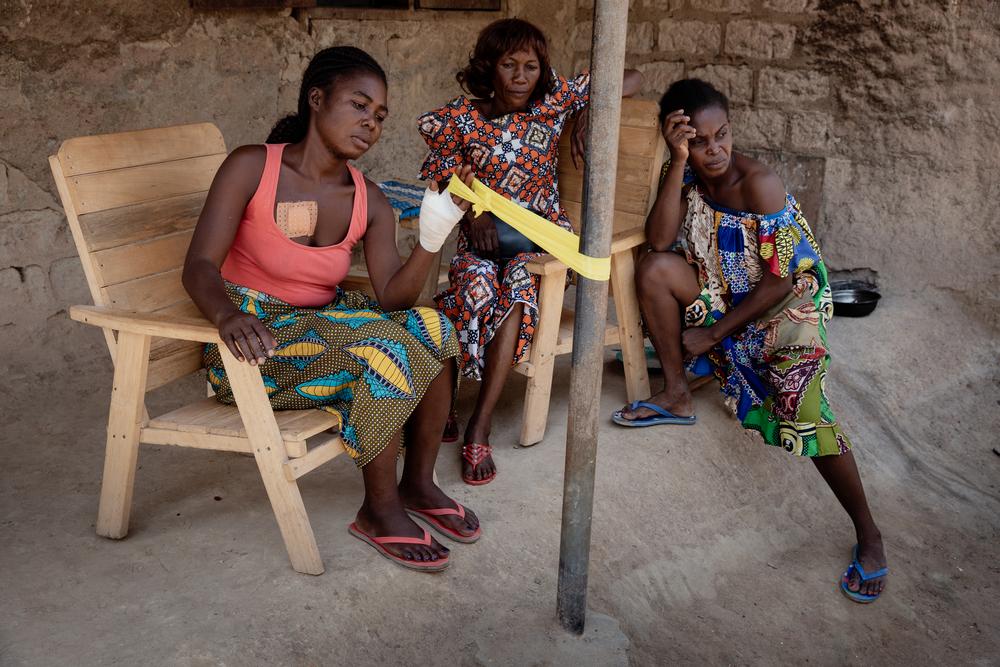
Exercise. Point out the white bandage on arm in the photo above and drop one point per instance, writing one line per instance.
(438, 216)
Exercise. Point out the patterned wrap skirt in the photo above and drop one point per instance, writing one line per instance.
(773, 372)
(350, 358)
(480, 296)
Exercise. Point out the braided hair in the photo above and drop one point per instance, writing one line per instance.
(323, 71)
(691, 95)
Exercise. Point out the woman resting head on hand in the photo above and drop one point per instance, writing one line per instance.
(735, 286)
(384, 367)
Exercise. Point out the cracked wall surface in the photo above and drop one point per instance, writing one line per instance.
(881, 115)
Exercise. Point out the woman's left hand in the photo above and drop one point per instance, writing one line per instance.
(697, 341)
(465, 175)
(578, 142)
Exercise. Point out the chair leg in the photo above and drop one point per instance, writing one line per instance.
(629, 325)
(543, 357)
(269, 451)
(125, 419)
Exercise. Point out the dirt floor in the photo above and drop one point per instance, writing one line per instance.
(707, 546)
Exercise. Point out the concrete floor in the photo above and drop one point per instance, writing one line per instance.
(707, 546)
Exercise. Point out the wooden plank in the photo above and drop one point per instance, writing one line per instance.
(544, 265)
(220, 443)
(129, 224)
(84, 155)
(268, 450)
(640, 113)
(629, 318)
(138, 260)
(628, 239)
(637, 141)
(124, 422)
(630, 169)
(104, 190)
(209, 416)
(184, 309)
(148, 294)
(79, 239)
(623, 221)
(629, 197)
(153, 324)
(171, 360)
(542, 358)
(331, 448)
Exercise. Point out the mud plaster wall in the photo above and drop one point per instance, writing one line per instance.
(883, 117)
(77, 68)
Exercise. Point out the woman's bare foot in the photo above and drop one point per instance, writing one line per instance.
(431, 497)
(397, 523)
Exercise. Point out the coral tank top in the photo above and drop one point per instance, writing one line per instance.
(264, 259)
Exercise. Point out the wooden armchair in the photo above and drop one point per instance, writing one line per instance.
(641, 151)
(132, 200)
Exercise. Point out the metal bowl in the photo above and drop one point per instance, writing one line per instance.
(854, 298)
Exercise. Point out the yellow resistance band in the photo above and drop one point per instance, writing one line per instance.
(561, 243)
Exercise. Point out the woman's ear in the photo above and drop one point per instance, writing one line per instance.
(315, 98)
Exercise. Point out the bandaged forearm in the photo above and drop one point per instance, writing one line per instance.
(438, 216)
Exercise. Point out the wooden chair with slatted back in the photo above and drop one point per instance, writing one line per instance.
(132, 200)
(641, 152)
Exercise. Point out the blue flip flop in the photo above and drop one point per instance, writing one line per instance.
(865, 576)
(665, 416)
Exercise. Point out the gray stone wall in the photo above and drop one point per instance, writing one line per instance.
(883, 116)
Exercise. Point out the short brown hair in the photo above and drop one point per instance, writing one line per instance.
(496, 40)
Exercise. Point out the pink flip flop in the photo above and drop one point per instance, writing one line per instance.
(378, 542)
(430, 516)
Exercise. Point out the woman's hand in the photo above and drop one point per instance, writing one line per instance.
(578, 142)
(482, 233)
(440, 212)
(697, 341)
(464, 174)
(247, 337)
(677, 133)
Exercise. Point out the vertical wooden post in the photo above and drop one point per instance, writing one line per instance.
(127, 414)
(551, 289)
(269, 450)
(607, 64)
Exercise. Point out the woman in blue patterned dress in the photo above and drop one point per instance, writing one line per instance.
(735, 285)
(509, 132)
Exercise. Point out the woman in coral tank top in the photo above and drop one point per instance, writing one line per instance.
(272, 245)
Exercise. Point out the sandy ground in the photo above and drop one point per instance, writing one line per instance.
(707, 546)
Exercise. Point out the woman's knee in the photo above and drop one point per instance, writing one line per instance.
(659, 270)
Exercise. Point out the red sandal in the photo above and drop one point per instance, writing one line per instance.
(475, 453)
(379, 544)
(430, 516)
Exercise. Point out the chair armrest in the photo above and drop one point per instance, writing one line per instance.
(544, 265)
(166, 326)
(627, 240)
